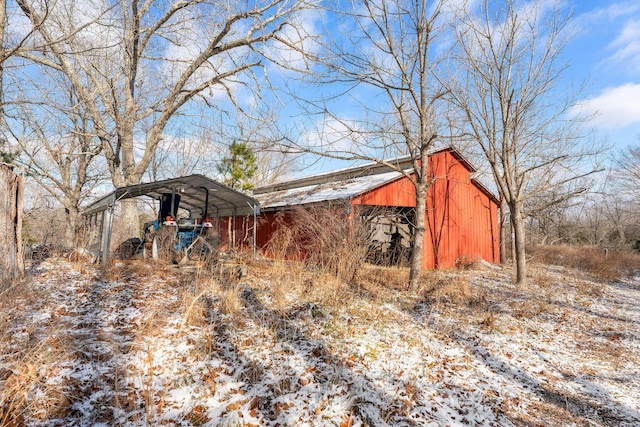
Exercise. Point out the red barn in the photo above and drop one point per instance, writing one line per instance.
(462, 214)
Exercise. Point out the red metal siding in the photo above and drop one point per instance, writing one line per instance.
(268, 224)
(461, 218)
(400, 192)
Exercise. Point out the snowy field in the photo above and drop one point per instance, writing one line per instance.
(137, 346)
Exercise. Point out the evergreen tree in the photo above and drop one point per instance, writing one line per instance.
(6, 156)
(239, 166)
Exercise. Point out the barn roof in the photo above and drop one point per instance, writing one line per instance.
(367, 169)
(345, 183)
(340, 189)
(223, 200)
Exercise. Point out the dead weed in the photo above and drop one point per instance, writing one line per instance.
(599, 262)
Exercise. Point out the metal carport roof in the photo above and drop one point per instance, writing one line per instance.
(223, 200)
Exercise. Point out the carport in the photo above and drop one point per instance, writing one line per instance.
(197, 194)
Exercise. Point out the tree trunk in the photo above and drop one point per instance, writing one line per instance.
(11, 262)
(418, 236)
(71, 214)
(128, 225)
(519, 256)
(3, 24)
(503, 233)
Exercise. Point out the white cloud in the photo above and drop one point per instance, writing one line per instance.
(613, 108)
(603, 15)
(334, 136)
(618, 25)
(626, 45)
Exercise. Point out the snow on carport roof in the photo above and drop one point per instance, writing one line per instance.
(223, 200)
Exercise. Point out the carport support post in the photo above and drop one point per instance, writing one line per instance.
(255, 225)
(233, 228)
(99, 243)
(107, 226)
(218, 223)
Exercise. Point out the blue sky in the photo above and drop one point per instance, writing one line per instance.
(603, 59)
(605, 54)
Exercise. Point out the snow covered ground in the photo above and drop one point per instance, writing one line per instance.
(139, 345)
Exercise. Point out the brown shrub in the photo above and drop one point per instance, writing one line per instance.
(230, 301)
(324, 238)
(608, 265)
(27, 377)
(466, 262)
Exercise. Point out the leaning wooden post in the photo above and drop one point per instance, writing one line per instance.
(11, 259)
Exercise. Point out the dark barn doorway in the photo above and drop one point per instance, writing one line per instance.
(391, 231)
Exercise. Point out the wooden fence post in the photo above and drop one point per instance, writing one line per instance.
(11, 257)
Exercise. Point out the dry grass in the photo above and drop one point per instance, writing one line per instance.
(608, 265)
(324, 239)
(529, 309)
(446, 288)
(590, 289)
(320, 256)
(29, 361)
(281, 279)
(300, 284)
(279, 293)
(196, 309)
(230, 301)
(199, 289)
(25, 390)
(489, 321)
(288, 293)
(540, 278)
(466, 262)
(372, 276)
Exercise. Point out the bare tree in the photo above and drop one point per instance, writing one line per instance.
(56, 142)
(3, 57)
(199, 150)
(622, 194)
(10, 44)
(626, 173)
(387, 61)
(182, 155)
(511, 68)
(263, 137)
(136, 65)
(607, 217)
(11, 187)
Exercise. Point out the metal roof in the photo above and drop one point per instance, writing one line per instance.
(345, 174)
(367, 169)
(346, 183)
(223, 200)
(326, 191)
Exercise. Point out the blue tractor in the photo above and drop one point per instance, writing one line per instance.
(180, 240)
